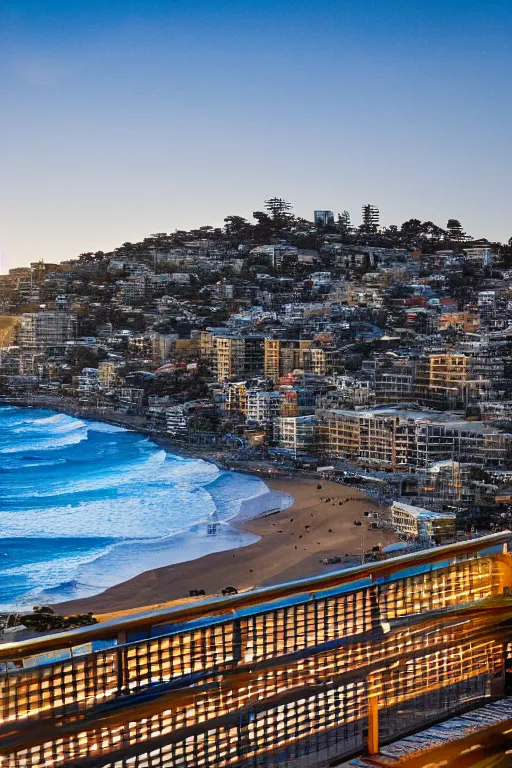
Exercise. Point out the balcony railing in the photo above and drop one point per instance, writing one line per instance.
(263, 678)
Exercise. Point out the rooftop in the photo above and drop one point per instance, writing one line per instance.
(422, 514)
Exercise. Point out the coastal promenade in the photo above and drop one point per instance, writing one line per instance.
(300, 674)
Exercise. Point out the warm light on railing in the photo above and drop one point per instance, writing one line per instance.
(296, 665)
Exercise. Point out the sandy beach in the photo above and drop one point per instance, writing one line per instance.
(319, 524)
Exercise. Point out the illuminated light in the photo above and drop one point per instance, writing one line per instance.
(471, 749)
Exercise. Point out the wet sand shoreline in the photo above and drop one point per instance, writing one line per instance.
(292, 542)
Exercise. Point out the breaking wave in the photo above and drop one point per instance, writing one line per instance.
(85, 505)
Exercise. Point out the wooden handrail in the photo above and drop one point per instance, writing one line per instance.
(229, 605)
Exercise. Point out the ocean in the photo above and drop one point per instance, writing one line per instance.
(85, 505)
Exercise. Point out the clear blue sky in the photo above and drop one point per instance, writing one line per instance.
(120, 119)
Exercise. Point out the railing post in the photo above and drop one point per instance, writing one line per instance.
(498, 679)
(373, 722)
(122, 670)
(237, 641)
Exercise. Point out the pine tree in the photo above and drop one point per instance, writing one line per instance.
(279, 208)
(370, 218)
(455, 230)
(344, 221)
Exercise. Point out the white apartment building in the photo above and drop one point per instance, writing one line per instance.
(88, 381)
(263, 407)
(295, 433)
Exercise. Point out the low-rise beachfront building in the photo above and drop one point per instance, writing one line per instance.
(421, 524)
(392, 439)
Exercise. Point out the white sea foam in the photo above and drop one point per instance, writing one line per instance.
(8, 423)
(153, 505)
(48, 443)
(146, 514)
(58, 423)
(56, 419)
(42, 463)
(154, 468)
(81, 577)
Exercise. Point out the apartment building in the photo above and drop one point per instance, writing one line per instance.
(297, 401)
(177, 419)
(468, 441)
(314, 360)
(394, 385)
(452, 379)
(207, 348)
(162, 346)
(296, 434)
(441, 378)
(486, 302)
(484, 364)
(46, 329)
(230, 356)
(321, 359)
(87, 381)
(282, 356)
(374, 439)
(235, 398)
(448, 483)
(447, 372)
(466, 322)
(394, 440)
(350, 392)
(263, 407)
(187, 349)
(140, 346)
(10, 360)
(132, 291)
(254, 355)
(289, 402)
(107, 373)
